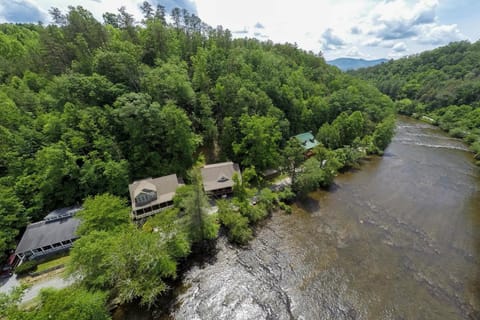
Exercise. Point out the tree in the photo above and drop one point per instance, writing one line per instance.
(110, 18)
(258, 145)
(169, 225)
(329, 136)
(9, 304)
(12, 216)
(200, 78)
(179, 141)
(103, 213)
(169, 81)
(238, 229)
(200, 224)
(147, 10)
(156, 140)
(130, 263)
(71, 303)
(309, 179)
(241, 184)
(160, 13)
(58, 17)
(118, 67)
(55, 176)
(293, 157)
(383, 133)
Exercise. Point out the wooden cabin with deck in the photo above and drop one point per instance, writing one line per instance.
(150, 196)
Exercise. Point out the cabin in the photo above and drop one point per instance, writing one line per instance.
(218, 178)
(55, 233)
(308, 142)
(150, 196)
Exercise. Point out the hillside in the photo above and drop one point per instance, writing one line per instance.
(88, 107)
(443, 84)
(346, 64)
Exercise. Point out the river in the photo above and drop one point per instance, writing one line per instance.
(397, 239)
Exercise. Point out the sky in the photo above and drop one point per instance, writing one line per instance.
(369, 29)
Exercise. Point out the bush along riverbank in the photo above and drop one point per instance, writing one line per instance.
(462, 122)
(119, 263)
(440, 86)
(116, 102)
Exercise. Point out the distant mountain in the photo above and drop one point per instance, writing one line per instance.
(345, 64)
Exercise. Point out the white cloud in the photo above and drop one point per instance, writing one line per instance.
(440, 34)
(399, 47)
(398, 20)
(355, 52)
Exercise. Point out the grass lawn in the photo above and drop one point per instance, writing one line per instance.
(52, 263)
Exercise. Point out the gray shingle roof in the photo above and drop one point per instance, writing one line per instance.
(63, 212)
(44, 233)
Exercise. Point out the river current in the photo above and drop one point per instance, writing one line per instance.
(398, 238)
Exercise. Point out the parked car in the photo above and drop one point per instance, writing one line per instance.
(6, 271)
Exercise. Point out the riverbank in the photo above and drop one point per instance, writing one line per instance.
(470, 137)
(376, 246)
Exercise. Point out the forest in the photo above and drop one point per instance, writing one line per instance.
(88, 107)
(442, 86)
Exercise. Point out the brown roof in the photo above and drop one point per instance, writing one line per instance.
(164, 187)
(219, 175)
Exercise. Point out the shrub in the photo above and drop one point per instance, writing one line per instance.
(239, 230)
(26, 267)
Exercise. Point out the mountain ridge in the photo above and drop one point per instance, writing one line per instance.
(346, 64)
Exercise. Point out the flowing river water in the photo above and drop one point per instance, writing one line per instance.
(397, 239)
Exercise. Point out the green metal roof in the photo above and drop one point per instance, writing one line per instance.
(307, 140)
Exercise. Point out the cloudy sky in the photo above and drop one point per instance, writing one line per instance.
(368, 29)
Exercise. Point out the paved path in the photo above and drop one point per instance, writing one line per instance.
(57, 282)
(7, 284)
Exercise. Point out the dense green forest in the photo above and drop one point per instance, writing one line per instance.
(87, 107)
(443, 85)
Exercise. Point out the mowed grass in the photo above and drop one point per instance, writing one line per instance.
(53, 263)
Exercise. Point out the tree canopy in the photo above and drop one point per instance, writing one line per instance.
(89, 106)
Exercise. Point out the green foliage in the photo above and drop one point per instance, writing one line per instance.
(293, 157)
(174, 232)
(129, 262)
(70, 303)
(253, 213)
(437, 78)
(383, 133)
(310, 178)
(241, 184)
(239, 230)
(442, 84)
(11, 215)
(318, 171)
(9, 304)
(169, 81)
(88, 107)
(286, 195)
(103, 213)
(258, 145)
(26, 267)
(193, 201)
(268, 199)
